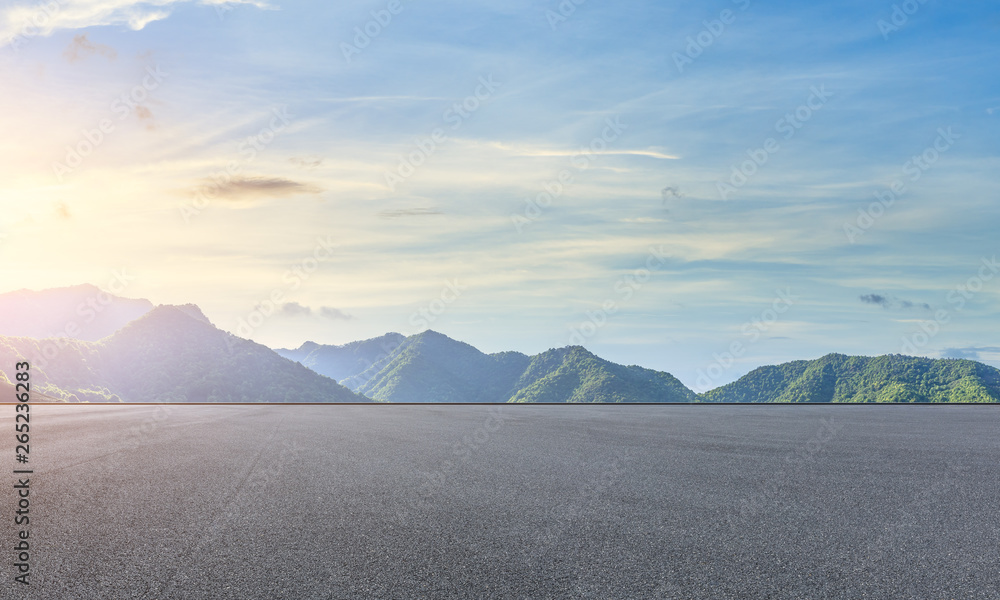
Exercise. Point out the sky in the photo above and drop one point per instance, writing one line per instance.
(700, 188)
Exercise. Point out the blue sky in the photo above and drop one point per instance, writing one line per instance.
(504, 172)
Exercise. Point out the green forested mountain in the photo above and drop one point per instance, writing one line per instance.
(341, 362)
(174, 354)
(431, 367)
(171, 354)
(575, 375)
(839, 378)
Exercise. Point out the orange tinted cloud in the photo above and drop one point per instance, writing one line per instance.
(81, 48)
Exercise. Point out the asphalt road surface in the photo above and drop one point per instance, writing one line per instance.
(326, 502)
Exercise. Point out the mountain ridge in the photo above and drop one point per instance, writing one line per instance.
(173, 353)
(170, 354)
(410, 373)
(432, 367)
(340, 361)
(83, 312)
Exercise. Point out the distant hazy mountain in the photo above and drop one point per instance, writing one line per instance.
(431, 367)
(171, 354)
(86, 345)
(81, 312)
(341, 362)
(839, 378)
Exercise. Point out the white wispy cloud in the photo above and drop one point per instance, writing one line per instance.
(543, 151)
(19, 19)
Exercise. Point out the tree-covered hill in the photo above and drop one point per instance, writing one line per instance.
(575, 375)
(890, 378)
(175, 354)
(431, 367)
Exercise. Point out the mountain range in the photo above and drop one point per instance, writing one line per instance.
(431, 367)
(170, 354)
(146, 353)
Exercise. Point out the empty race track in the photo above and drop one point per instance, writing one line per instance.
(320, 502)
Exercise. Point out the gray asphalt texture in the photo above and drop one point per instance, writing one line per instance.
(320, 502)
